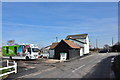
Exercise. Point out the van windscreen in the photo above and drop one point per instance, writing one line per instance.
(35, 49)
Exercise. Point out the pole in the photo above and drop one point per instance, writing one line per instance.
(96, 44)
(7, 63)
(15, 66)
(112, 41)
(56, 39)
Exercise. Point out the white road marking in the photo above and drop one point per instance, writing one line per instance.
(78, 68)
(37, 73)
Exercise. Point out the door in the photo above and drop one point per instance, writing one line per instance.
(81, 52)
(63, 56)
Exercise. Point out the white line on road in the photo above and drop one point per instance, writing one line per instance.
(78, 68)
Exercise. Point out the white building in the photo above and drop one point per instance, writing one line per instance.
(81, 40)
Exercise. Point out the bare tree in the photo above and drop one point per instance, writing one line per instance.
(10, 42)
(106, 46)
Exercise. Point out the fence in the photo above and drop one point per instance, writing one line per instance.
(9, 67)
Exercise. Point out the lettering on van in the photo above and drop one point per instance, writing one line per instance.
(10, 51)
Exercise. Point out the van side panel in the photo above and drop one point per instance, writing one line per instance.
(9, 50)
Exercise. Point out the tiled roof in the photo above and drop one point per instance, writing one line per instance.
(53, 45)
(71, 44)
(78, 36)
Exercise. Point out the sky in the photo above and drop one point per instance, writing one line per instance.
(0, 24)
(60, 0)
(41, 22)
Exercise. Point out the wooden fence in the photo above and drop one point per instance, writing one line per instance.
(13, 68)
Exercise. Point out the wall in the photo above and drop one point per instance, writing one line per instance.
(87, 45)
(61, 47)
(74, 53)
(52, 53)
(81, 51)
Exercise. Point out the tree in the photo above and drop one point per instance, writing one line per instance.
(116, 47)
(10, 42)
(106, 46)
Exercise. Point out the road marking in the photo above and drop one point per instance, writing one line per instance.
(78, 68)
(37, 73)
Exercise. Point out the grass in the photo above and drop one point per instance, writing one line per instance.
(4, 71)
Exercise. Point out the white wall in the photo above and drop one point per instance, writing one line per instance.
(81, 51)
(63, 56)
(86, 46)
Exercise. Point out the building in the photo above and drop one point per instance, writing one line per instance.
(81, 40)
(66, 46)
(53, 45)
(51, 49)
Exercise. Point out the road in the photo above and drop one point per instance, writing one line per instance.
(96, 65)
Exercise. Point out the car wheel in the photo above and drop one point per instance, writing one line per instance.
(10, 57)
(27, 58)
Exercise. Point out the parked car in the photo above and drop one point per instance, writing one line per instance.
(103, 51)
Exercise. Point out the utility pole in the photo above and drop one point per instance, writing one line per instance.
(112, 41)
(96, 44)
(56, 39)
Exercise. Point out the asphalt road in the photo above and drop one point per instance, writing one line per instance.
(97, 65)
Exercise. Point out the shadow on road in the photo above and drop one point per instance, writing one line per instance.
(102, 71)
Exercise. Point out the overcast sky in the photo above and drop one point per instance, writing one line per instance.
(40, 23)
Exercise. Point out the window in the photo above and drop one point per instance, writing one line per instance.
(29, 50)
(15, 49)
(35, 49)
(7, 49)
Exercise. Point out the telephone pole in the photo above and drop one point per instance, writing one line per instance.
(112, 41)
(96, 44)
(56, 39)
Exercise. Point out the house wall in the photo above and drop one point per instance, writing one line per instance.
(81, 51)
(74, 53)
(86, 46)
(61, 47)
(52, 53)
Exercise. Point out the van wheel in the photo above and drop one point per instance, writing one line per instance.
(10, 57)
(27, 58)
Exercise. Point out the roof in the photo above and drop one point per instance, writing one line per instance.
(71, 44)
(78, 36)
(78, 41)
(53, 45)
